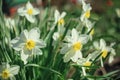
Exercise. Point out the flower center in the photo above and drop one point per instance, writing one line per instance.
(104, 53)
(5, 74)
(30, 11)
(61, 22)
(87, 14)
(30, 44)
(92, 32)
(77, 46)
(87, 63)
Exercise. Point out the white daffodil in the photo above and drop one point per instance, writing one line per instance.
(104, 50)
(59, 18)
(8, 72)
(29, 12)
(86, 62)
(86, 11)
(72, 47)
(102, 47)
(28, 43)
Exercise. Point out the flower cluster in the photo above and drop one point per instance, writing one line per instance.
(53, 44)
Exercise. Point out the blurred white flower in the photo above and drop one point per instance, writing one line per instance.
(28, 43)
(10, 23)
(118, 12)
(29, 12)
(86, 11)
(73, 45)
(104, 50)
(86, 62)
(59, 18)
(102, 47)
(8, 72)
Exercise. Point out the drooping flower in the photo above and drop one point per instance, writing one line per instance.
(86, 11)
(28, 43)
(8, 72)
(73, 46)
(29, 12)
(59, 18)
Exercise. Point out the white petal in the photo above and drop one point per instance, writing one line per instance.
(24, 36)
(30, 18)
(83, 39)
(36, 11)
(82, 17)
(89, 24)
(17, 44)
(24, 57)
(34, 34)
(14, 69)
(76, 56)
(74, 35)
(37, 51)
(102, 44)
(4, 66)
(56, 15)
(86, 6)
(64, 50)
(12, 77)
(27, 52)
(96, 45)
(62, 15)
(40, 44)
(21, 11)
(29, 5)
(111, 58)
(56, 36)
(68, 55)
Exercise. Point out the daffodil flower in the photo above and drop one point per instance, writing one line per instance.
(28, 43)
(59, 18)
(102, 47)
(86, 11)
(72, 47)
(104, 50)
(86, 62)
(29, 12)
(8, 72)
